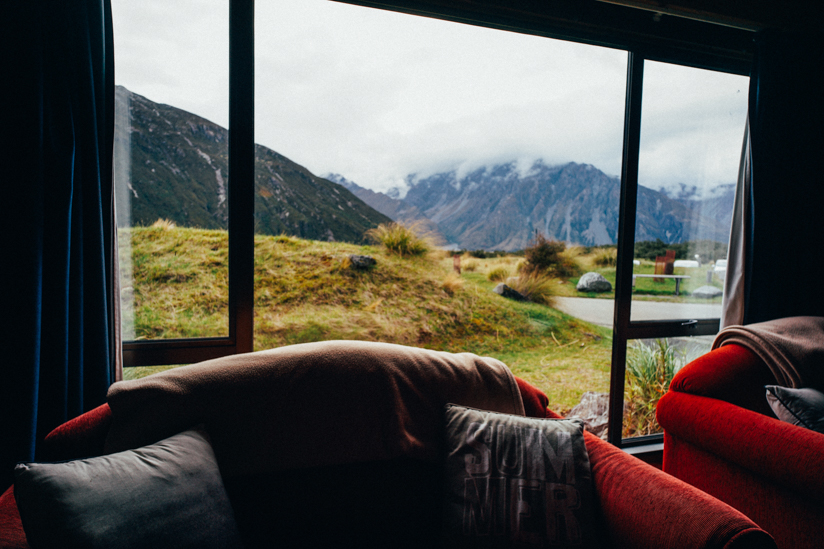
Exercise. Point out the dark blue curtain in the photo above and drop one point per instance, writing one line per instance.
(784, 265)
(56, 218)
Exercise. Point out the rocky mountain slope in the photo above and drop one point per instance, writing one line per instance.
(500, 207)
(394, 208)
(173, 164)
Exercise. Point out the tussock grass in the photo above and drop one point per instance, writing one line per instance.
(536, 287)
(163, 224)
(400, 239)
(650, 369)
(606, 257)
(470, 265)
(498, 274)
(452, 283)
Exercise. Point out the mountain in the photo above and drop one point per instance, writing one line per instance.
(392, 207)
(173, 164)
(718, 205)
(500, 207)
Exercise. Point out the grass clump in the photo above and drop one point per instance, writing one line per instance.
(606, 257)
(536, 287)
(163, 224)
(452, 283)
(498, 274)
(649, 372)
(470, 266)
(400, 239)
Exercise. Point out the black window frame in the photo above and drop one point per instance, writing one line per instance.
(644, 35)
(241, 224)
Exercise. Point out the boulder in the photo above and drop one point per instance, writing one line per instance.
(506, 291)
(362, 261)
(707, 292)
(593, 282)
(594, 411)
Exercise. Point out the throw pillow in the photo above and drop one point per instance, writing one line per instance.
(168, 494)
(512, 481)
(803, 407)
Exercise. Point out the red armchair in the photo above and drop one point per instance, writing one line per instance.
(721, 436)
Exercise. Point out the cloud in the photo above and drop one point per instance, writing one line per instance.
(376, 95)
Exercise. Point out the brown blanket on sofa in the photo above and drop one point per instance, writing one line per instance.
(792, 347)
(312, 404)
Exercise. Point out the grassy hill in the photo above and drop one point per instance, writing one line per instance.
(306, 291)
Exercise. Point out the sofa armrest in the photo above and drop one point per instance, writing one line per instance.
(81, 437)
(12, 535)
(644, 507)
(785, 454)
(731, 373)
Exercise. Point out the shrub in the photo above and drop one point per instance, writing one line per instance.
(606, 257)
(649, 372)
(542, 254)
(498, 274)
(400, 239)
(536, 287)
(545, 256)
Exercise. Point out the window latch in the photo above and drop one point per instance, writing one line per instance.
(690, 323)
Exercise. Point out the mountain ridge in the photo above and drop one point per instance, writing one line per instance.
(173, 164)
(499, 207)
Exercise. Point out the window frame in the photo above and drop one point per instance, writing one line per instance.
(644, 35)
(241, 195)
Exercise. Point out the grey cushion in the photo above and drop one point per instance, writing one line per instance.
(804, 406)
(512, 481)
(168, 494)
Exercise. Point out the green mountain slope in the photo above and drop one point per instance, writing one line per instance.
(172, 164)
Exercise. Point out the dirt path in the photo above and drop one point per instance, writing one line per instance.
(601, 311)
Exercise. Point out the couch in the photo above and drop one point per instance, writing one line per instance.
(382, 485)
(721, 436)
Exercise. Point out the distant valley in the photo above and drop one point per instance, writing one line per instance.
(173, 164)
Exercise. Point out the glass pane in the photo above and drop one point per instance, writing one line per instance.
(651, 364)
(692, 128)
(171, 167)
(491, 142)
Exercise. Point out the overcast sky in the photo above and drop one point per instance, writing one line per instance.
(376, 96)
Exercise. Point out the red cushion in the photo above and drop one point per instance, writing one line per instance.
(535, 401)
(11, 529)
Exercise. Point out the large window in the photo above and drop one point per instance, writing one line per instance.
(528, 161)
(481, 138)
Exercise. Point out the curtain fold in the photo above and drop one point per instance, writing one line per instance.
(57, 225)
(732, 307)
(781, 227)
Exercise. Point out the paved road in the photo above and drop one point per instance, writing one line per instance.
(601, 311)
